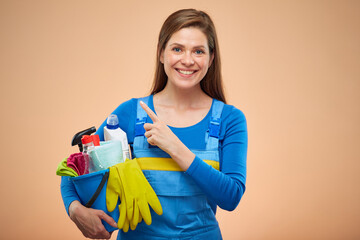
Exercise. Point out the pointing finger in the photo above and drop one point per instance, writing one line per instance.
(148, 126)
(151, 114)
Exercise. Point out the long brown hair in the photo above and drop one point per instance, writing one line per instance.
(211, 84)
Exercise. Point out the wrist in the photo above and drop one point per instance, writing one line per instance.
(73, 208)
(183, 157)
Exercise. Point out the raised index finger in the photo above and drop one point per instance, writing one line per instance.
(151, 114)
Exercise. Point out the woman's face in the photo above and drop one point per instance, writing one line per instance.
(186, 58)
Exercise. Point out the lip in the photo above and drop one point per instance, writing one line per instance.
(186, 70)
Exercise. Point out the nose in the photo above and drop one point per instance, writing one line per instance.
(187, 59)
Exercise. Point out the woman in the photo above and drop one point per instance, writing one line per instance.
(186, 121)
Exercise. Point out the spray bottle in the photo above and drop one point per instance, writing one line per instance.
(113, 132)
(89, 142)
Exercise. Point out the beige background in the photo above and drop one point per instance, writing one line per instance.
(293, 67)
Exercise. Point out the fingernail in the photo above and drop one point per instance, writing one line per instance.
(141, 102)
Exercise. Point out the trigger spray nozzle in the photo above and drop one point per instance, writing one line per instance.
(77, 137)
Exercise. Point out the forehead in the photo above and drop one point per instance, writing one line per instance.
(189, 37)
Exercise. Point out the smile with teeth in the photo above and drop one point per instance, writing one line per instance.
(186, 72)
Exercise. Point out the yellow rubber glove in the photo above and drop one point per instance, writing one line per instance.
(138, 194)
(114, 190)
(123, 222)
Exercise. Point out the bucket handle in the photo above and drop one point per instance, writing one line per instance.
(98, 190)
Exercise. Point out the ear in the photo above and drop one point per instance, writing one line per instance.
(211, 59)
(162, 56)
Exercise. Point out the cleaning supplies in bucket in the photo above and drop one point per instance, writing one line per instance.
(91, 186)
(112, 132)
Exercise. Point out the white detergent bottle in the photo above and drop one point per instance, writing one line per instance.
(113, 132)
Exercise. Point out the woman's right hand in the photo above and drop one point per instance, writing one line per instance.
(88, 220)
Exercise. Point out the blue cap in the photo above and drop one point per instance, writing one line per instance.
(112, 122)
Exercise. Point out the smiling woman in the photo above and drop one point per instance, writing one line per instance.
(190, 145)
(211, 84)
(186, 58)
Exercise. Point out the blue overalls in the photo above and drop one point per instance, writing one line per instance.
(186, 210)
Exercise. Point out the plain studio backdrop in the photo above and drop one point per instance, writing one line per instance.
(293, 68)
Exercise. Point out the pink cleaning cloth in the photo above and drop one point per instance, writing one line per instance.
(77, 162)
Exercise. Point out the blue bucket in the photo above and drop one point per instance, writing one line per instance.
(91, 189)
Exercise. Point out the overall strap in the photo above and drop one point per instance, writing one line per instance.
(212, 141)
(141, 116)
(212, 135)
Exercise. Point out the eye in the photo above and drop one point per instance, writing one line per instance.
(176, 49)
(199, 52)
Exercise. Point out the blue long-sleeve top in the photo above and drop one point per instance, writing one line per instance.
(224, 188)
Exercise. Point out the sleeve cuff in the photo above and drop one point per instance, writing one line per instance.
(194, 165)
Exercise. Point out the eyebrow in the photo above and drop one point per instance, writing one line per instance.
(178, 44)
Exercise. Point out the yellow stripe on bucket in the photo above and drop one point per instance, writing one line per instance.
(166, 164)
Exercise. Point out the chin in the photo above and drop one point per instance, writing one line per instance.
(183, 85)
